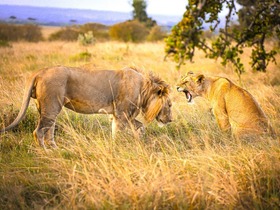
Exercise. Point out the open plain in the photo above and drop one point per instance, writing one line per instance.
(188, 164)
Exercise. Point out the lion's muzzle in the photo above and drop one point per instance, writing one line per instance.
(179, 89)
(187, 93)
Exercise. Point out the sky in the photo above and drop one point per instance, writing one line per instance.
(161, 7)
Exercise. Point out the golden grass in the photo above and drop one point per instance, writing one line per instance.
(188, 164)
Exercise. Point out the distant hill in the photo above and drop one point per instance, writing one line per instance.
(62, 17)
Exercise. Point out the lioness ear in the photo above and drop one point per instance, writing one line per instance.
(199, 79)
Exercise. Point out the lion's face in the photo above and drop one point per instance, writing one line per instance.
(191, 85)
(158, 105)
(165, 115)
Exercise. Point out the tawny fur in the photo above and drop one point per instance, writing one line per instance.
(234, 108)
(124, 94)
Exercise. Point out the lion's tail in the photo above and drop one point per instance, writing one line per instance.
(24, 106)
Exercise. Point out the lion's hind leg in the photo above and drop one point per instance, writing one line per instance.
(46, 125)
(44, 130)
(222, 120)
(49, 136)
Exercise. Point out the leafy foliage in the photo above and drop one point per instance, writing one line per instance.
(261, 23)
(140, 14)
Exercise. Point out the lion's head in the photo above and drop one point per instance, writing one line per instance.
(156, 101)
(192, 85)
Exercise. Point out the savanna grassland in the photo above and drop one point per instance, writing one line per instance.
(188, 164)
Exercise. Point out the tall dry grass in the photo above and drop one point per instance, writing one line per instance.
(188, 164)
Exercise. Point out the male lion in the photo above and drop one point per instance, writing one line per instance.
(234, 108)
(122, 93)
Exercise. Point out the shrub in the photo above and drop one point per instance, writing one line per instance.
(156, 34)
(72, 33)
(86, 38)
(65, 34)
(28, 32)
(99, 31)
(129, 31)
(31, 33)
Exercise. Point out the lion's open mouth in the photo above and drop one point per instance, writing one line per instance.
(188, 96)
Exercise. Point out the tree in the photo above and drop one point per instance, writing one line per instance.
(140, 14)
(262, 23)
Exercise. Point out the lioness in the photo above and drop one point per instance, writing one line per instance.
(122, 93)
(234, 108)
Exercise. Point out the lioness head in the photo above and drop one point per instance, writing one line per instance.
(192, 85)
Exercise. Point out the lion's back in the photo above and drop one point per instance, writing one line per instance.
(245, 114)
(88, 91)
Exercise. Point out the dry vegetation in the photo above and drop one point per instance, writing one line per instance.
(188, 164)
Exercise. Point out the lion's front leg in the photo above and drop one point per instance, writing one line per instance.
(121, 123)
(117, 125)
(139, 127)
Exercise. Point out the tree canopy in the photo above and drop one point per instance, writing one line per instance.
(258, 21)
(140, 14)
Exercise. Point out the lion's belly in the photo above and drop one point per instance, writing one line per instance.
(87, 107)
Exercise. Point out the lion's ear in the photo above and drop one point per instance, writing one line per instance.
(161, 90)
(199, 79)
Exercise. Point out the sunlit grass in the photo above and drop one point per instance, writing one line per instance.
(189, 164)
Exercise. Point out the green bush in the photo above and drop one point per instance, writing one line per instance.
(86, 38)
(65, 34)
(129, 31)
(27, 32)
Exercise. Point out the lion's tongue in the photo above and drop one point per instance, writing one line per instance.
(188, 96)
